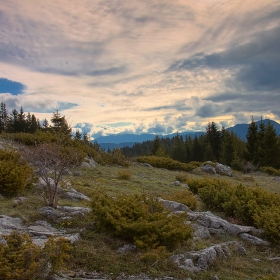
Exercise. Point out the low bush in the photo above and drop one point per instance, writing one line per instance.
(184, 197)
(270, 170)
(168, 163)
(253, 206)
(22, 260)
(140, 219)
(14, 173)
(124, 175)
(182, 177)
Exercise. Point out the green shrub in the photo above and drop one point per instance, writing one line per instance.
(22, 260)
(269, 220)
(249, 205)
(140, 219)
(182, 177)
(270, 170)
(14, 173)
(124, 175)
(166, 162)
(184, 197)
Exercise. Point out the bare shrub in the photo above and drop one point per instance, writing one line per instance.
(51, 161)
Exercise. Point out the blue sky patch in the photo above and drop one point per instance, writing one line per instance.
(7, 86)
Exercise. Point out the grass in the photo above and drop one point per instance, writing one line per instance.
(97, 251)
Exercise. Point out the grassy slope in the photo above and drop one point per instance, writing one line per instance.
(98, 251)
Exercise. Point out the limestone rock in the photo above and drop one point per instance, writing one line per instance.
(73, 194)
(223, 169)
(89, 162)
(173, 205)
(211, 221)
(253, 239)
(208, 169)
(196, 261)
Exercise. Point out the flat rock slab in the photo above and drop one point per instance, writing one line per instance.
(39, 231)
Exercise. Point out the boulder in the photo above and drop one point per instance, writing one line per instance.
(208, 169)
(196, 261)
(223, 169)
(173, 205)
(73, 194)
(89, 162)
(217, 224)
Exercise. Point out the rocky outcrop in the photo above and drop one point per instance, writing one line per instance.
(40, 231)
(173, 205)
(217, 168)
(63, 212)
(208, 169)
(73, 194)
(89, 162)
(223, 169)
(196, 261)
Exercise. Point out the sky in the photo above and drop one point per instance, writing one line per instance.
(157, 66)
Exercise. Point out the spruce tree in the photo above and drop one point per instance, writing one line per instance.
(178, 151)
(227, 149)
(251, 150)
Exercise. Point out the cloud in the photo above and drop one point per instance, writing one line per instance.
(114, 62)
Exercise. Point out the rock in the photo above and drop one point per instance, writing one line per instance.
(146, 165)
(127, 248)
(89, 162)
(173, 205)
(200, 260)
(73, 194)
(208, 169)
(39, 231)
(223, 169)
(77, 173)
(9, 224)
(200, 232)
(50, 212)
(253, 239)
(176, 183)
(72, 209)
(217, 224)
(19, 200)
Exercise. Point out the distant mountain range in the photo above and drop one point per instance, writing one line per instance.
(122, 140)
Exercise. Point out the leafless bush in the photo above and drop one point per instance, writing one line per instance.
(50, 162)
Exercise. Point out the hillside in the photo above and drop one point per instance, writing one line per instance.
(104, 256)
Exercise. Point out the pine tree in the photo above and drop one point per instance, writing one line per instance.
(60, 124)
(4, 117)
(178, 151)
(252, 142)
(214, 140)
(227, 149)
(271, 147)
(78, 135)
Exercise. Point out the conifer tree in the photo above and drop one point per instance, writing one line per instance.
(178, 151)
(214, 139)
(271, 147)
(4, 117)
(252, 142)
(227, 148)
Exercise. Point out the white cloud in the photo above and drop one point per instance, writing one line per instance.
(113, 59)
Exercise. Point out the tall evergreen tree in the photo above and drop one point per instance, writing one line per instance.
(178, 151)
(60, 124)
(227, 149)
(271, 147)
(4, 117)
(251, 151)
(214, 139)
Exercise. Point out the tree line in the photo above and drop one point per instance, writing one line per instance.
(262, 147)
